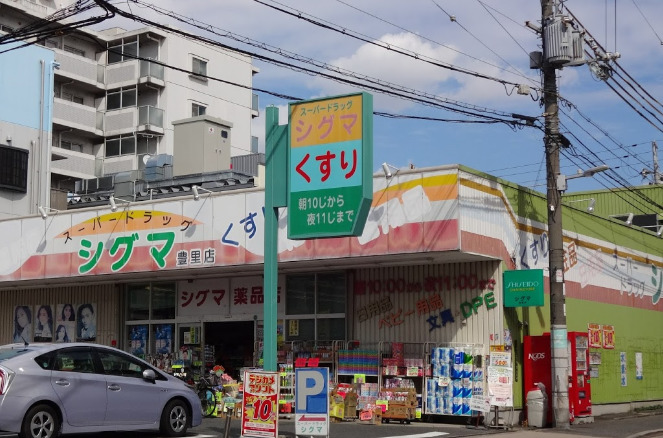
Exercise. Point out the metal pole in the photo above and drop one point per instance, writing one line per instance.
(558, 331)
(271, 243)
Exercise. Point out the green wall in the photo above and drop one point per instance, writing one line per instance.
(636, 331)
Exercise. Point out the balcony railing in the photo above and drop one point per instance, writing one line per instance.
(77, 164)
(152, 70)
(150, 115)
(145, 118)
(79, 68)
(75, 115)
(130, 72)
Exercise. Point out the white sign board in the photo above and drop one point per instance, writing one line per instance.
(500, 385)
(480, 403)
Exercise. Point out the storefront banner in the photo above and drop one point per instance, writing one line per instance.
(222, 230)
(225, 296)
(260, 404)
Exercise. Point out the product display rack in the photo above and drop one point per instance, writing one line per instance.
(286, 388)
(456, 375)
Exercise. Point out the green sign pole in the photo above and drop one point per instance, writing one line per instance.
(276, 143)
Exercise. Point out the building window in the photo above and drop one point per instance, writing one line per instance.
(197, 109)
(122, 52)
(198, 66)
(13, 169)
(71, 98)
(122, 98)
(122, 145)
(71, 146)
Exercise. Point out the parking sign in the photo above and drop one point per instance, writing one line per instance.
(312, 401)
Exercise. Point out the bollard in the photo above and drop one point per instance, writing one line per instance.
(229, 416)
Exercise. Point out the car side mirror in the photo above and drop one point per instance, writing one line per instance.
(149, 375)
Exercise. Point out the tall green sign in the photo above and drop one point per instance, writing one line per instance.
(523, 288)
(330, 158)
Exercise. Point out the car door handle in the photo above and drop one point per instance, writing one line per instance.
(114, 387)
(62, 382)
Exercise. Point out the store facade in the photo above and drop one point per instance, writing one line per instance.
(181, 279)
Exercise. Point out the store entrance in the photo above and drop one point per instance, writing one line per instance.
(233, 345)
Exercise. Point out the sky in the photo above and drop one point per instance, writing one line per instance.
(485, 45)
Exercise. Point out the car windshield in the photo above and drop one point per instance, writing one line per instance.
(8, 353)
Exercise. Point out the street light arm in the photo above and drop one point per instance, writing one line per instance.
(589, 172)
(561, 179)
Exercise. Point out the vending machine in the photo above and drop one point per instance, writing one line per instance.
(580, 391)
(537, 369)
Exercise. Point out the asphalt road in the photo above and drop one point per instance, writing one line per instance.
(621, 426)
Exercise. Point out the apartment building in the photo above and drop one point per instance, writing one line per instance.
(112, 106)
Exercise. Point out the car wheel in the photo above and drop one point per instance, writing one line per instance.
(40, 422)
(174, 419)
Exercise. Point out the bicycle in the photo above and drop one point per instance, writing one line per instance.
(207, 396)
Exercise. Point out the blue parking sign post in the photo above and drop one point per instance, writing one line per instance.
(312, 401)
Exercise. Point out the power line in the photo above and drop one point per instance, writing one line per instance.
(454, 19)
(648, 23)
(474, 58)
(374, 84)
(393, 48)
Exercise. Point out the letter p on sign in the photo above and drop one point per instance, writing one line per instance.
(311, 394)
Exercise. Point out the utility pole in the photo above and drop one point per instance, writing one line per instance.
(552, 140)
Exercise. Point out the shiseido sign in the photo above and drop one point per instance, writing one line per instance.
(523, 288)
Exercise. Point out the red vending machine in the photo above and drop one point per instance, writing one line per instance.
(536, 367)
(580, 391)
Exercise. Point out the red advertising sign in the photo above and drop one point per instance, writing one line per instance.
(594, 335)
(608, 337)
(260, 405)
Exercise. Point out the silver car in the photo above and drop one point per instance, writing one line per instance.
(48, 389)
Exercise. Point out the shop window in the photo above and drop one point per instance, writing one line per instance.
(300, 329)
(331, 291)
(138, 302)
(162, 336)
(163, 301)
(330, 329)
(300, 295)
